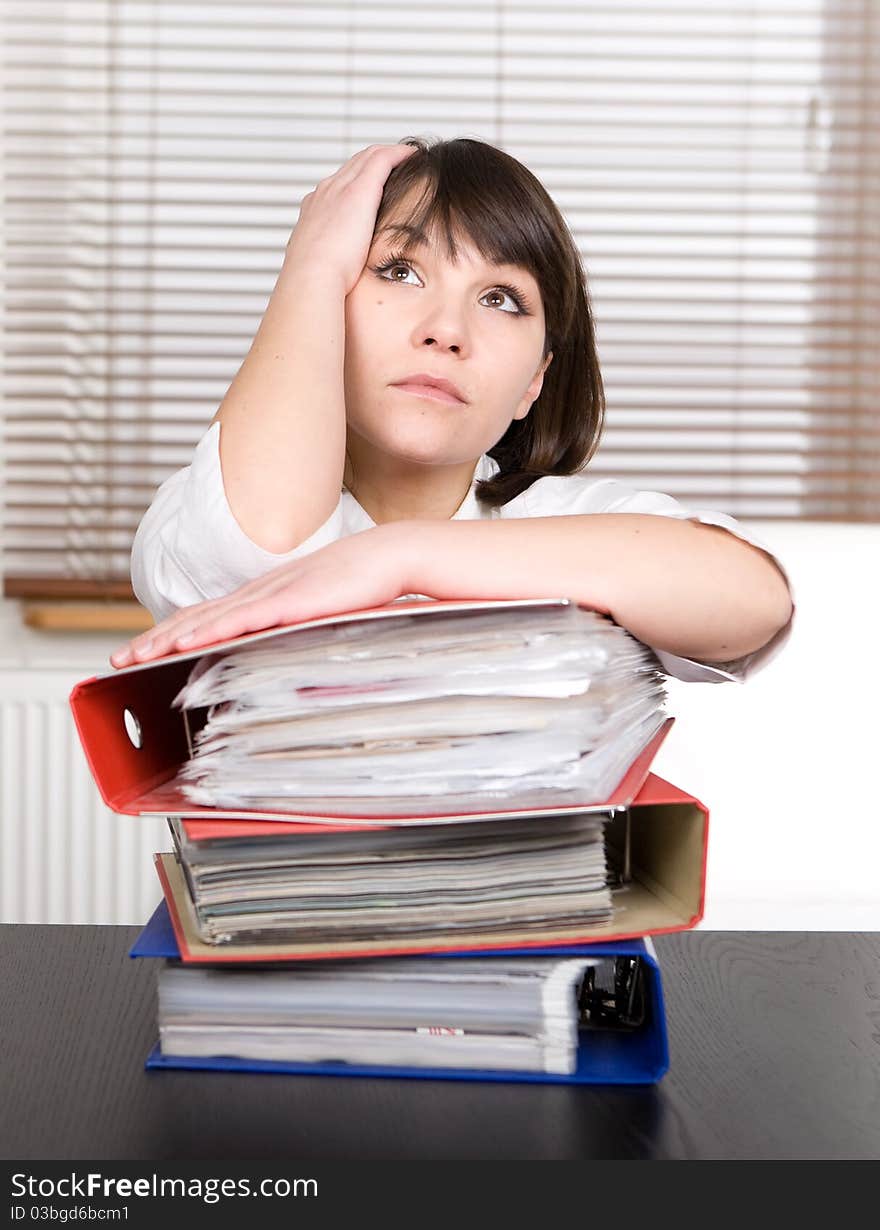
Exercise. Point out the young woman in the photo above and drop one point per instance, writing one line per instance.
(415, 417)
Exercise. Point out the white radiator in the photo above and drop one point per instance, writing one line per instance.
(64, 856)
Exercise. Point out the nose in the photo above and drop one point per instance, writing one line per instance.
(443, 327)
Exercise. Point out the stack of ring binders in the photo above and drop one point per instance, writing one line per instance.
(372, 960)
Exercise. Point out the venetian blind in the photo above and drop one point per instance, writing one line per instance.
(717, 164)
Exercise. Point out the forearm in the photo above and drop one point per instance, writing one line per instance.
(282, 435)
(686, 588)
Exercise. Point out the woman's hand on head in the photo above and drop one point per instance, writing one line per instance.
(355, 573)
(337, 218)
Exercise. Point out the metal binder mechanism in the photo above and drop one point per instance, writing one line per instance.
(618, 849)
(193, 721)
(612, 995)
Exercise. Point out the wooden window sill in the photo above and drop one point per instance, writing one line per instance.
(87, 616)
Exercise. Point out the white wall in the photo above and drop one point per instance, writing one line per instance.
(784, 762)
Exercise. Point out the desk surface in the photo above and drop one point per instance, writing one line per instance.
(774, 1045)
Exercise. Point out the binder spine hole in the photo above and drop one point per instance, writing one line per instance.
(132, 728)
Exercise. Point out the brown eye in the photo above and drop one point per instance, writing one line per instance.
(393, 262)
(514, 296)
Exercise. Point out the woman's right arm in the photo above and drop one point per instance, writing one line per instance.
(282, 421)
(269, 490)
(282, 435)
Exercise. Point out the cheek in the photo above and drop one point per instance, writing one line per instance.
(359, 334)
(367, 317)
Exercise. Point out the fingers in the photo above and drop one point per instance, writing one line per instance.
(384, 157)
(158, 639)
(162, 639)
(212, 627)
(170, 634)
(246, 617)
(149, 645)
(142, 646)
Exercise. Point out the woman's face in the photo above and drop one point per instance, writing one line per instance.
(425, 314)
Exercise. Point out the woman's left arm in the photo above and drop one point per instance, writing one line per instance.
(690, 589)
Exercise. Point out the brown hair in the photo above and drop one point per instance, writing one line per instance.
(511, 219)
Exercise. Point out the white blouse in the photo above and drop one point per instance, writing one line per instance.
(189, 546)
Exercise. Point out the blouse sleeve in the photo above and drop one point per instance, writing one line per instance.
(189, 546)
(584, 495)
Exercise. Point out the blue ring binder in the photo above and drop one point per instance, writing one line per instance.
(637, 1056)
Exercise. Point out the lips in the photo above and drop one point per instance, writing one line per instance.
(425, 384)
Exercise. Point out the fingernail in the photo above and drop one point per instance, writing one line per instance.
(144, 647)
(186, 639)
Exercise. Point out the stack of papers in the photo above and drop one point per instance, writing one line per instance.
(448, 884)
(423, 714)
(520, 1014)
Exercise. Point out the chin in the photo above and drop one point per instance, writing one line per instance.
(418, 442)
(421, 455)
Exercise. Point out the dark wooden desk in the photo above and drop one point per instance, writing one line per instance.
(774, 1041)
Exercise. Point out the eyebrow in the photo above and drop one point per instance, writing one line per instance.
(416, 235)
